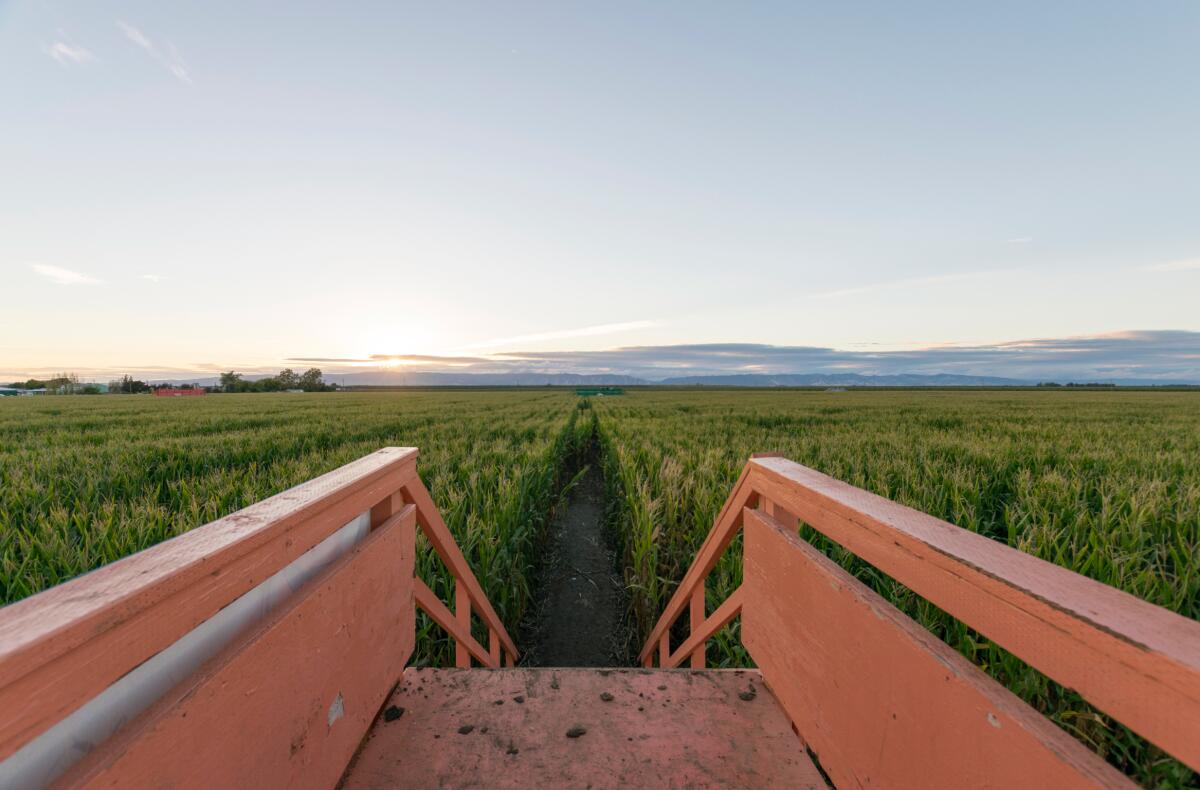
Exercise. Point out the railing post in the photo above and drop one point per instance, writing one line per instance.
(779, 514)
(494, 647)
(664, 648)
(462, 613)
(697, 622)
(386, 508)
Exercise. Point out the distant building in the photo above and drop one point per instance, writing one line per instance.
(175, 392)
(10, 391)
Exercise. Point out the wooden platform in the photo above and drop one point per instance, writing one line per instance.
(582, 728)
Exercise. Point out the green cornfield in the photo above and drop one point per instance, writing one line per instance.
(85, 481)
(1104, 483)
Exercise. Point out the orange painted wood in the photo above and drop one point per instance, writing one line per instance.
(1138, 662)
(434, 527)
(441, 614)
(725, 528)
(682, 729)
(288, 706)
(462, 614)
(493, 648)
(61, 647)
(696, 617)
(729, 609)
(880, 700)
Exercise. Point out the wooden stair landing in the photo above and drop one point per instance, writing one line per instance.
(510, 728)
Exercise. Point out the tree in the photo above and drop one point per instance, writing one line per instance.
(128, 385)
(63, 384)
(288, 380)
(310, 380)
(231, 382)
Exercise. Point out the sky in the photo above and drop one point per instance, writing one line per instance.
(190, 187)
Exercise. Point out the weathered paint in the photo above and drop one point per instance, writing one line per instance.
(1138, 662)
(54, 751)
(62, 647)
(880, 700)
(686, 728)
(288, 706)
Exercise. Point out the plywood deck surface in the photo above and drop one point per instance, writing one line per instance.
(509, 728)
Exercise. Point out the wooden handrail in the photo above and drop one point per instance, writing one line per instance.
(1138, 662)
(468, 593)
(63, 646)
(729, 521)
(252, 589)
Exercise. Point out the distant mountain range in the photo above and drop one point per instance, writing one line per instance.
(389, 378)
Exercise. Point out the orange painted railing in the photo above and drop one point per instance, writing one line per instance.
(255, 649)
(879, 699)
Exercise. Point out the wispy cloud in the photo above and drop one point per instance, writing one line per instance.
(1173, 266)
(906, 283)
(154, 278)
(587, 331)
(67, 55)
(62, 276)
(1020, 240)
(167, 55)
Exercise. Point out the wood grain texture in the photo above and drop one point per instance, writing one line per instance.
(289, 705)
(880, 700)
(1138, 662)
(61, 647)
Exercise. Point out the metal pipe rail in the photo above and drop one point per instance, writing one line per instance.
(1137, 662)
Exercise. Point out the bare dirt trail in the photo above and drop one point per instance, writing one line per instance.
(579, 619)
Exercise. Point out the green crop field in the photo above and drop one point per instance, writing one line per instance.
(85, 481)
(1104, 483)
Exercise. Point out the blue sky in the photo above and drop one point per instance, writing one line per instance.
(194, 186)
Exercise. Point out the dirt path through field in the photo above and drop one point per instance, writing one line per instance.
(580, 618)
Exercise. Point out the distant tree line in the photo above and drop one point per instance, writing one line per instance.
(287, 379)
(62, 384)
(1089, 384)
(310, 380)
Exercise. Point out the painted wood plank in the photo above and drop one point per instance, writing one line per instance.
(61, 647)
(434, 527)
(441, 614)
(289, 705)
(880, 700)
(725, 528)
(730, 608)
(681, 729)
(1138, 662)
(696, 620)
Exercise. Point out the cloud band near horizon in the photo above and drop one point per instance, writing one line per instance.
(1168, 355)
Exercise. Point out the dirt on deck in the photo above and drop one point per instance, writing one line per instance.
(580, 616)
